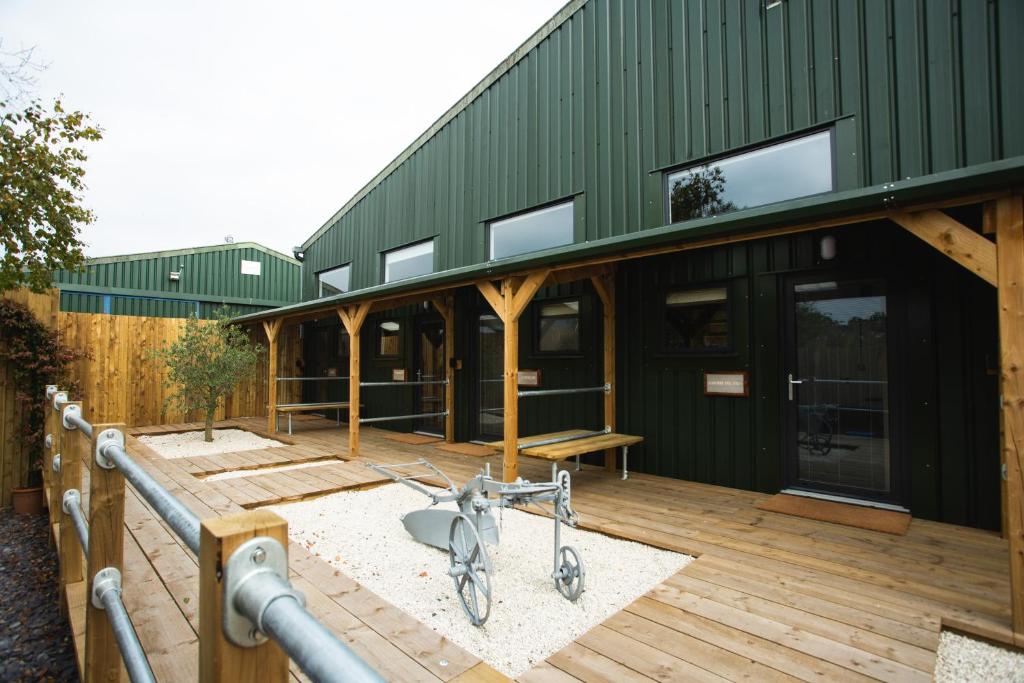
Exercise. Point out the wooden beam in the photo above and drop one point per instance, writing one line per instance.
(954, 239)
(510, 450)
(73, 447)
(493, 297)
(221, 661)
(353, 318)
(605, 287)
(272, 358)
(1009, 218)
(446, 307)
(526, 291)
(106, 549)
(561, 277)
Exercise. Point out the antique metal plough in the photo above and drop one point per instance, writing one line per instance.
(465, 532)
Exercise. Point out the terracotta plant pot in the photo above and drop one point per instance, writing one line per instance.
(28, 501)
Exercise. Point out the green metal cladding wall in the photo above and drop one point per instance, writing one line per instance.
(208, 277)
(624, 88)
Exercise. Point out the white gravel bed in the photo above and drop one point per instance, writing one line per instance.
(962, 659)
(360, 534)
(191, 444)
(235, 474)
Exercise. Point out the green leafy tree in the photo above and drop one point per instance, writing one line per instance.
(42, 171)
(206, 363)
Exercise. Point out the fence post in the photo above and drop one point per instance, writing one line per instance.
(106, 549)
(51, 448)
(72, 446)
(221, 661)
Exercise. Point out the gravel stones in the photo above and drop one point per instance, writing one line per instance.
(963, 659)
(191, 444)
(360, 533)
(35, 640)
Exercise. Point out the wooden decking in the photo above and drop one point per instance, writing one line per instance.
(770, 596)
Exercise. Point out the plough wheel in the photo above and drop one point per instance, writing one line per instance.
(570, 577)
(470, 569)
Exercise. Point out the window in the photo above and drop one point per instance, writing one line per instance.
(791, 169)
(389, 339)
(334, 281)
(696, 320)
(558, 327)
(406, 262)
(541, 229)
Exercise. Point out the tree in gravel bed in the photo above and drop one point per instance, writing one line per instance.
(206, 363)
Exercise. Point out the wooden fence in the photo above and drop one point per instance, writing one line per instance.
(124, 382)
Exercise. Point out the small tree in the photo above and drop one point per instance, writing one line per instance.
(206, 363)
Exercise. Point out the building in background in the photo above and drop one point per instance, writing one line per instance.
(246, 276)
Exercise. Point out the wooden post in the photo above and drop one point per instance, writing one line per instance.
(510, 457)
(49, 479)
(446, 307)
(1009, 217)
(73, 445)
(604, 285)
(220, 661)
(272, 328)
(353, 318)
(106, 549)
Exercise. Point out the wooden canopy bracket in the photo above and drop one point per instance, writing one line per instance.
(272, 328)
(493, 297)
(952, 238)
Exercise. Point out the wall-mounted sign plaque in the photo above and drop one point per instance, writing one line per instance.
(727, 383)
(398, 374)
(529, 378)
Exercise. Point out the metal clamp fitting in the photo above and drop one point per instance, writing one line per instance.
(51, 389)
(257, 556)
(59, 399)
(48, 441)
(106, 579)
(607, 387)
(106, 438)
(71, 497)
(55, 465)
(68, 411)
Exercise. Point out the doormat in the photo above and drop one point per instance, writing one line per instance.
(411, 439)
(862, 517)
(473, 449)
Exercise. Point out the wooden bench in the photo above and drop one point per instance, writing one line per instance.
(557, 452)
(291, 408)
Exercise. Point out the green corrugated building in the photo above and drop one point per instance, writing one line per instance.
(246, 276)
(803, 195)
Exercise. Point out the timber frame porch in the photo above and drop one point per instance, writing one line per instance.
(769, 596)
(999, 262)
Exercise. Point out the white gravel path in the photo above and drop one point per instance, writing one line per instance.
(191, 444)
(962, 659)
(236, 474)
(360, 534)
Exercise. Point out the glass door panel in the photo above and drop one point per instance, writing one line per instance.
(430, 367)
(838, 389)
(491, 413)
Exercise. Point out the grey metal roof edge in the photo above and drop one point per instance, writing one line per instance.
(549, 27)
(992, 176)
(139, 256)
(98, 290)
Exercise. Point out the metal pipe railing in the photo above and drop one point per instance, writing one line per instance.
(319, 654)
(72, 504)
(306, 379)
(563, 439)
(526, 393)
(395, 418)
(414, 383)
(182, 520)
(134, 657)
(78, 421)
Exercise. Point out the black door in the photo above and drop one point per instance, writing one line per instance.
(429, 368)
(838, 391)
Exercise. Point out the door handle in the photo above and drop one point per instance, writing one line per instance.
(791, 382)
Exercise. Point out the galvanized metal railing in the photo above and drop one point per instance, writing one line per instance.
(258, 600)
(413, 383)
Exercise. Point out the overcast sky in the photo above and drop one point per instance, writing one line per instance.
(253, 119)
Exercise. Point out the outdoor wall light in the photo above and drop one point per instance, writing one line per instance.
(828, 247)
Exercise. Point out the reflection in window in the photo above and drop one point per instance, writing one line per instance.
(791, 169)
(533, 231)
(696, 320)
(333, 281)
(406, 262)
(389, 337)
(558, 328)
